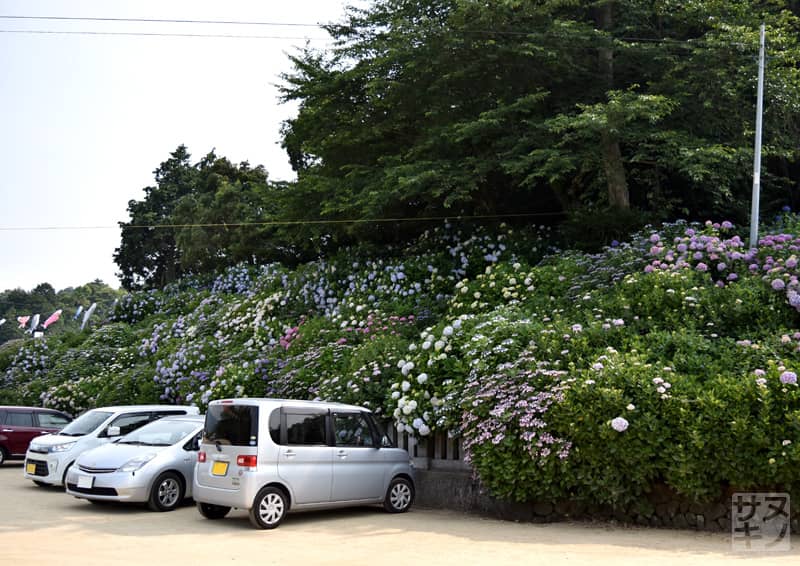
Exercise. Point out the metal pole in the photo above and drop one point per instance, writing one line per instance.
(757, 157)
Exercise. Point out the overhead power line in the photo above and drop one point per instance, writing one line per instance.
(159, 21)
(280, 222)
(161, 34)
(688, 43)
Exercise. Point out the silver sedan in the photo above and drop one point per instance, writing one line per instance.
(153, 464)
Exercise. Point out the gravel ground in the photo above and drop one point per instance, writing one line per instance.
(45, 526)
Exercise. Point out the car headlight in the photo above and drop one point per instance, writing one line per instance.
(136, 463)
(62, 447)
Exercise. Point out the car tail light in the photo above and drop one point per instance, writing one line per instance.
(201, 456)
(247, 461)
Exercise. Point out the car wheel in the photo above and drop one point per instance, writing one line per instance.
(399, 496)
(212, 512)
(269, 508)
(3, 455)
(41, 483)
(166, 493)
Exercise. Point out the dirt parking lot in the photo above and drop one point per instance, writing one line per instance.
(46, 526)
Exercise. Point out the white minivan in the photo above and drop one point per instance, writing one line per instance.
(50, 456)
(272, 456)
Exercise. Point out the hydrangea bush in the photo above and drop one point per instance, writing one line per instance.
(672, 357)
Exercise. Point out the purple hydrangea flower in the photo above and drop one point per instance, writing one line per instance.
(789, 377)
(778, 284)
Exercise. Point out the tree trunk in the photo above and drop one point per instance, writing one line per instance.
(615, 173)
(612, 155)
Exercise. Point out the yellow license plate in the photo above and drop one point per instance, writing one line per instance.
(30, 468)
(219, 468)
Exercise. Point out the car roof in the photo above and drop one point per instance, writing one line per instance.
(116, 408)
(48, 409)
(199, 419)
(286, 403)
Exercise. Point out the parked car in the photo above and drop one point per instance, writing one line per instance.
(272, 456)
(20, 425)
(49, 457)
(153, 464)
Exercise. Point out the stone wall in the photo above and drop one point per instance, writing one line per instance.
(662, 507)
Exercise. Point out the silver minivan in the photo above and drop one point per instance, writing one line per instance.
(272, 456)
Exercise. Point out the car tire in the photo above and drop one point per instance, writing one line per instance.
(269, 508)
(166, 493)
(3, 455)
(212, 512)
(399, 496)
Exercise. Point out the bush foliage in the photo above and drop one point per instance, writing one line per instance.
(671, 358)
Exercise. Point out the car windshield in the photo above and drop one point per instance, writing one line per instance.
(160, 433)
(86, 423)
(232, 424)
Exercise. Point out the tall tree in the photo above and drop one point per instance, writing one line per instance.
(200, 217)
(147, 255)
(429, 107)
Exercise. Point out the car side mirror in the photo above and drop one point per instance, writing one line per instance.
(385, 442)
(112, 431)
(193, 445)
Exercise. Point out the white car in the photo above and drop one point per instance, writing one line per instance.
(49, 457)
(153, 464)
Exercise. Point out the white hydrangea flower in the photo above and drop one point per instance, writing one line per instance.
(422, 378)
(405, 386)
(619, 424)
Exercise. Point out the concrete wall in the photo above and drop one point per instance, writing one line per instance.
(662, 507)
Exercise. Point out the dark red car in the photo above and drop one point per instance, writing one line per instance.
(19, 425)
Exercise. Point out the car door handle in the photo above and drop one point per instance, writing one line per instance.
(289, 454)
(342, 454)
(8, 430)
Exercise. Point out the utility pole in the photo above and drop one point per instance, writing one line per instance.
(757, 157)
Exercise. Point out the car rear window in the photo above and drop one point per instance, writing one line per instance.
(232, 424)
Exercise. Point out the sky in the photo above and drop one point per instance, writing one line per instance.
(86, 119)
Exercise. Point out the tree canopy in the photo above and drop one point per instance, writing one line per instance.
(610, 112)
(198, 218)
(429, 107)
